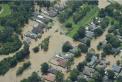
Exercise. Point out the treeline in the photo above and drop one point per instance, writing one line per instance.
(113, 10)
(11, 62)
(21, 11)
(73, 6)
(80, 13)
(22, 68)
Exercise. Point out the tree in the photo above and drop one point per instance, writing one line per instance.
(73, 75)
(82, 32)
(66, 47)
(36, 49)
(83, 48)
(68, 25)
(107, 49)
(80, 66)
(82, 80)
(44, 68)
(98, 32)
(33, 78)
(119, 79)
(111, 74)
(59, 77)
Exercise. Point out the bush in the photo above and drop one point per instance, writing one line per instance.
(24, 67)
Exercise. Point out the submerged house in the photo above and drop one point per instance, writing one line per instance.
(89, 34)
(27, 40)
(31, 35)
(38, 28)
(93, 61)
(116, 68)
(88, 71)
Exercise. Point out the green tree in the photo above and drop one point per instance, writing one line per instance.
(111, 74)
(59, 77)
(80, 66)
(44, 68)
(66, 47)
(73, 74)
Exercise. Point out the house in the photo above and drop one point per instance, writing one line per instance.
(27, 40)
(52, 12)
(92, 26)
(38, 28)
(49, 77)
(31, 35)
(115, 50)
(88, 71)
(62, 62)
(89, 34)
(67, 55)
(52, 70)
(43, 19)
(85, 40)
(93, 61)
(74, 50)
(116, 68)
(106, 79)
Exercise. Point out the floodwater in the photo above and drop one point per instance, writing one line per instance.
(55, 44)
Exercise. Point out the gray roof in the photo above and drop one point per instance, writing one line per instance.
(88, 71)
(116, 68)
(89, 34)
(84, 40)
(93, 60)
(27, 40)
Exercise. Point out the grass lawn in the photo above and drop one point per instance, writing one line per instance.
(1, 28)
(5, 11)
(86, 20)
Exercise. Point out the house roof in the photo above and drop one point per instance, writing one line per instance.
(89, 34)
(88, 71)
(93, 60)
(52, 70)
(116, 68)
(49, 77)
(27, 40)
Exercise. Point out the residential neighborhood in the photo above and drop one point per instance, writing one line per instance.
(61, 41)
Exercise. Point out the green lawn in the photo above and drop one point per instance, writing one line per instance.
(1, 28)
(6, 11)
(86, 20)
